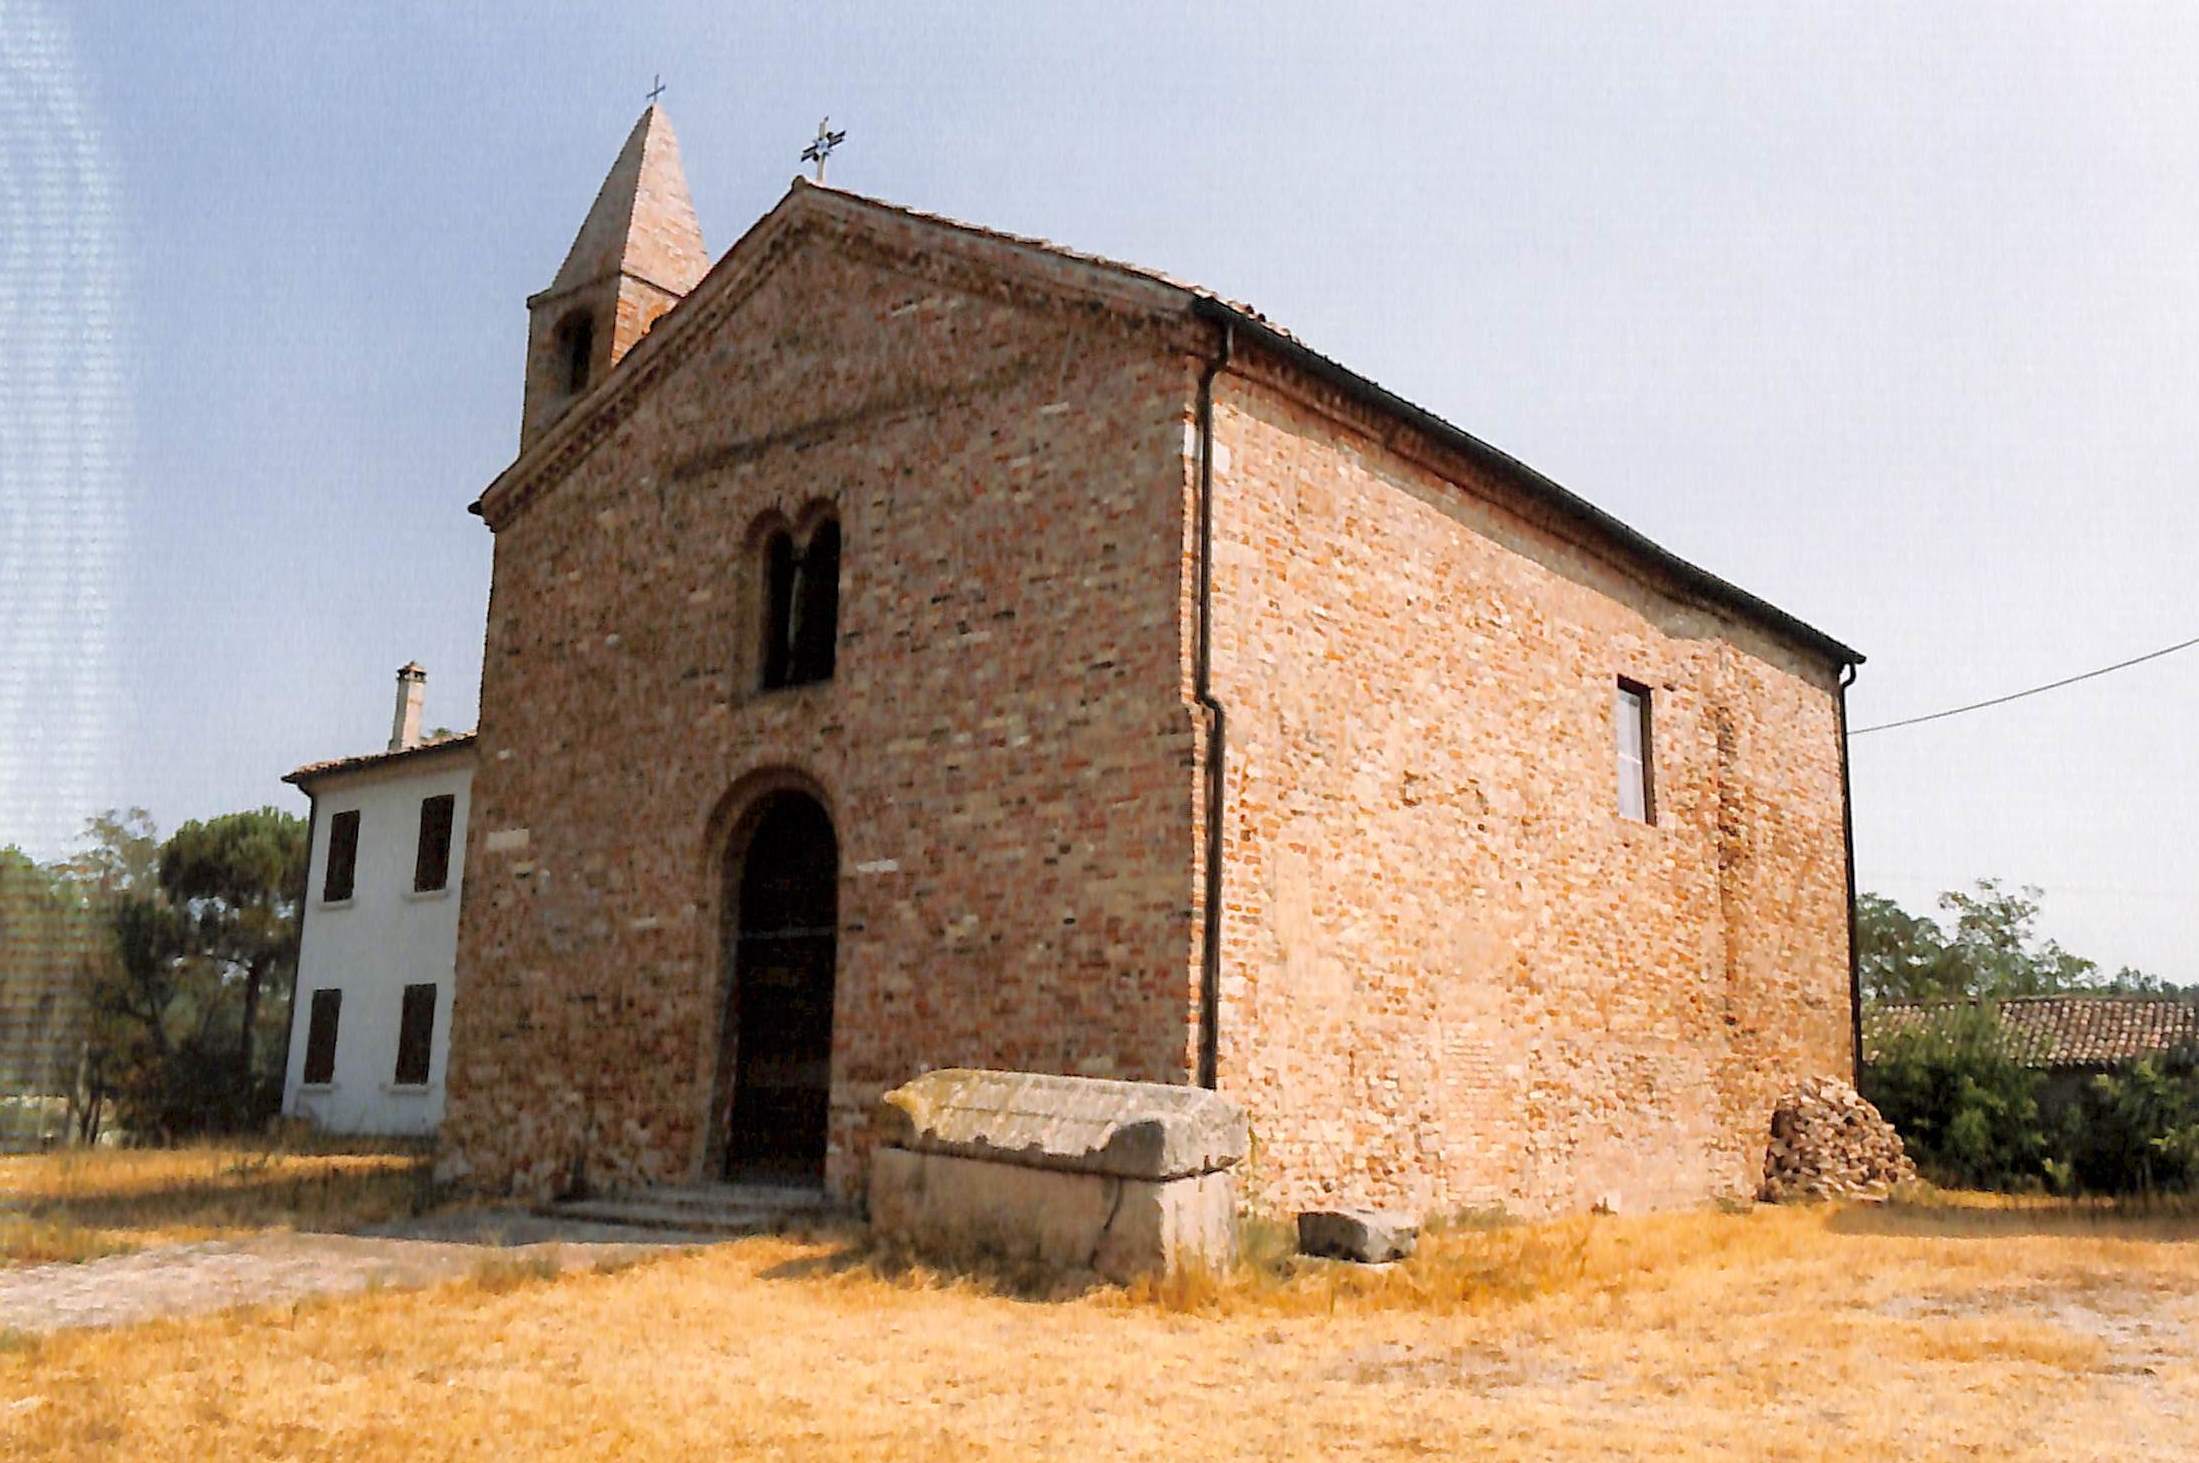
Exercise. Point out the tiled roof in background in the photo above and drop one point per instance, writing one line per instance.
(313, 770)
(2056, 1031)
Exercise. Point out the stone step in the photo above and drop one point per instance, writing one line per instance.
(789, 1198)
(711, 1209)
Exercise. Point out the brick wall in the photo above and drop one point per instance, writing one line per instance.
(624, 308)
(1453, 975)
(1004, 748)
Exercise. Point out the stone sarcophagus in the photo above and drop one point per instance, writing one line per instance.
(1079, 1173)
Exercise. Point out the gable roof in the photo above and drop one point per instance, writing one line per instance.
(2054, 1031)
(1135, 286)
(312, 772)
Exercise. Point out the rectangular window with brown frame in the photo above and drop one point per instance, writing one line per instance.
(343, 857)
(320, 1036)
(1631, 728)
(431, 860)
(415, 1035)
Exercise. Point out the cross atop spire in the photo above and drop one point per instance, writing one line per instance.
(656, 89)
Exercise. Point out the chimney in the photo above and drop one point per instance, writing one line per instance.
(412, 690)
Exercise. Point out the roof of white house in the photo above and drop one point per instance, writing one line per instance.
(313, 772)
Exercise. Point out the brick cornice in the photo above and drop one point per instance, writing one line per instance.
(684, 327)
(989, 264)
(1390, 433)
(557, 292)
(973, 262)
(1474, 467)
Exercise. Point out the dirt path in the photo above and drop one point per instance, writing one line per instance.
(1802, 1335)
(172, 1280)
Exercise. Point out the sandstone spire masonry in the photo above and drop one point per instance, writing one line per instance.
(643, 220)
(638, 253)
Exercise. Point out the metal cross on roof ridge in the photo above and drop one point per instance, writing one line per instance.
(656, 89)
(821, 147)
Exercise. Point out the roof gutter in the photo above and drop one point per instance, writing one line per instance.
(1563, 501)
(1847, 835)
(1217, 721)
(1234, 322)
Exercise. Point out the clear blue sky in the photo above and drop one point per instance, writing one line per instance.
(1885, 313)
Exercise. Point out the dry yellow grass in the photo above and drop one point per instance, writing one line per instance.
(1935, 1329)
(79, 1204)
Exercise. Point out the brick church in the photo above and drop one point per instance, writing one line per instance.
(912, 645)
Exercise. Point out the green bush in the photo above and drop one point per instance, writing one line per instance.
(1971, 1117)
(2136, 1130)
(1966, 1108)
(192, 1090)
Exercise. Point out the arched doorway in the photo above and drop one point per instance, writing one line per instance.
(782, 916)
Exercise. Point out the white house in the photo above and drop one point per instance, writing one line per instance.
(370, 1019)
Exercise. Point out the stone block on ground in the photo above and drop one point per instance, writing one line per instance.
(1078, 1174)
(1135, 1130)
(960, 1210)
(1367, 1236)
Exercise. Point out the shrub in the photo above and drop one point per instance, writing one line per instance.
(2136, 1129)
(1966, 1108)
(193, 1089)
(1970, 1114)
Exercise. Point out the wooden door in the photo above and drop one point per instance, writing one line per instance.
(783, 947)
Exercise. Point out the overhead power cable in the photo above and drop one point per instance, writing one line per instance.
(2032, 691)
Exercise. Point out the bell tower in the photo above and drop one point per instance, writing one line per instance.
(637, 255)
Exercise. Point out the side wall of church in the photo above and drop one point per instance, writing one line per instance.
(1003, 748)
(1454, 976)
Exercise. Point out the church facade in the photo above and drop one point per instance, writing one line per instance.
(914, 646)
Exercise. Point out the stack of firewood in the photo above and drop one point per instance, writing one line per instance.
(1827, 1142)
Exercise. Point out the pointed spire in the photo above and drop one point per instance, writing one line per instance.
(636, 256)
(643, 221)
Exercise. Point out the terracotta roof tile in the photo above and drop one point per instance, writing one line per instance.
(2056, 1031)
(313, 770)
(1201, 301)
(1048, 246)
(1567, 502)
